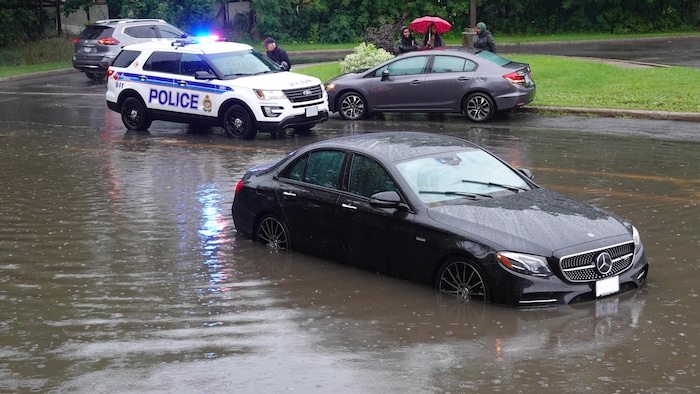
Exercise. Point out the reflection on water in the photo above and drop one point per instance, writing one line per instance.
(121, 272)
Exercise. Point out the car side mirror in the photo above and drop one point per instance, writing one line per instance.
(204, 75)
(385, 75)
(527, 173)
(385, 200)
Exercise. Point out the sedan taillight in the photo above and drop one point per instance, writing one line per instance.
(515, 78)
(239, 186)
(108, 41)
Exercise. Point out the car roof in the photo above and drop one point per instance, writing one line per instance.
(209, 47)
(397, 146)
(120, 21)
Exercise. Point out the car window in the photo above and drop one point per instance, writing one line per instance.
(441, 178)
(95, 32)
(232, 64)
(169, 32)
(125, 58)
(148, 31)
(368, 177)
(191, 63)
(411, 65)
(493, 58)
(446, 64)
(319, 168)
(165, 62)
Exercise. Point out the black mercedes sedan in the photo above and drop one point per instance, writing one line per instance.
(459, 80)
(441, 211)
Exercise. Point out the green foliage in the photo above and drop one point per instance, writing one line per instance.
(386, 35)
(364, 56)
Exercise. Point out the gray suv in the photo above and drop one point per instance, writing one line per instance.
(100, 42)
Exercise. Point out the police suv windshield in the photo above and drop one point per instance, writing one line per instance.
(243, 63)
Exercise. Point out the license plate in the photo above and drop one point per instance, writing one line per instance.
(87, 50)
(607, 286)
(311, 111)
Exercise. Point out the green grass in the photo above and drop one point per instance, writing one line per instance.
(564, 82)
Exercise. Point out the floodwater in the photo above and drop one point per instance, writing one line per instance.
(120, 270)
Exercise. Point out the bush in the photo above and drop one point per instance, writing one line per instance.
(386, 35)
(365, 56)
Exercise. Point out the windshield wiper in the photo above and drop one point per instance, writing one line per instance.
(509, 187)
(455, 193)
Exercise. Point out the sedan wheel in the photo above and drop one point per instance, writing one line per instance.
(273, 233)
(134, 115)
(352, 106)
(238, 123)
(479, 107)
(461, 279)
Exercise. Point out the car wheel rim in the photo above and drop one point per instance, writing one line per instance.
(236, 124)
(272, 233)
(132, 115)
(462, 280)
(478, 108)
(353, 107)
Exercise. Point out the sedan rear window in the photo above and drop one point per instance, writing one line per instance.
(493, 58)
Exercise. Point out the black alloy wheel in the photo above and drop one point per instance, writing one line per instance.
(463, 280)
(134, 115)
(273, 233)
(352, 106)
(238, 123)
(479, 107)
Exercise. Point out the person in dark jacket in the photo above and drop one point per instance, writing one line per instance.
(484, 39)
(277, 54)
(432, 38)
(407, 43)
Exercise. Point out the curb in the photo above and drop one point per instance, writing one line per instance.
(618, 113)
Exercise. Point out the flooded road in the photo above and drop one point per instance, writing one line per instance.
(120, 269)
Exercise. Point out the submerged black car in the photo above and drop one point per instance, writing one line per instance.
(440, 211)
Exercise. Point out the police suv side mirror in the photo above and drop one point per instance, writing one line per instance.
(203, 75)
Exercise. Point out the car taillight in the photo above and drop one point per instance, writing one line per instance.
(239, 186)
(108, 41)
(515, 77)
(111, 73)
(75, 40)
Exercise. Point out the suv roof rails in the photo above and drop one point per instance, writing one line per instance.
(126, 20)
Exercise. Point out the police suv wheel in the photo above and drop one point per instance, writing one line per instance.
(238, 123)
(134, 115)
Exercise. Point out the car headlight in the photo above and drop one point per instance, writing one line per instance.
(270, 94)
(330, 86)
(524, 263)
(636, 239)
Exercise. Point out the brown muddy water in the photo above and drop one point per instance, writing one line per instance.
(120, 269)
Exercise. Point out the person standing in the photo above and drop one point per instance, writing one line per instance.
(277, 54)
(432, 38)
(484, 39)
(407, 43)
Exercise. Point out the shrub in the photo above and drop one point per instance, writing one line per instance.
(365, 56)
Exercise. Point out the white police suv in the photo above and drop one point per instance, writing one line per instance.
(224, 84)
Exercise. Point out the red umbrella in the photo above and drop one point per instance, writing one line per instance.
(422, 24)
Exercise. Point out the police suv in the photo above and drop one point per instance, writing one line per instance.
(220, 83)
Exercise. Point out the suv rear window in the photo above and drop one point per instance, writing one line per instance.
(95, 32)
(148, 31)
(125, 58)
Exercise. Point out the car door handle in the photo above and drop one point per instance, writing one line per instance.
(416, 82)
(289, 194)
(348, 206)
(142, 77)
(182, 83)
(463, 79)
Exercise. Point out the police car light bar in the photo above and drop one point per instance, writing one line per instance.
(196, 40)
